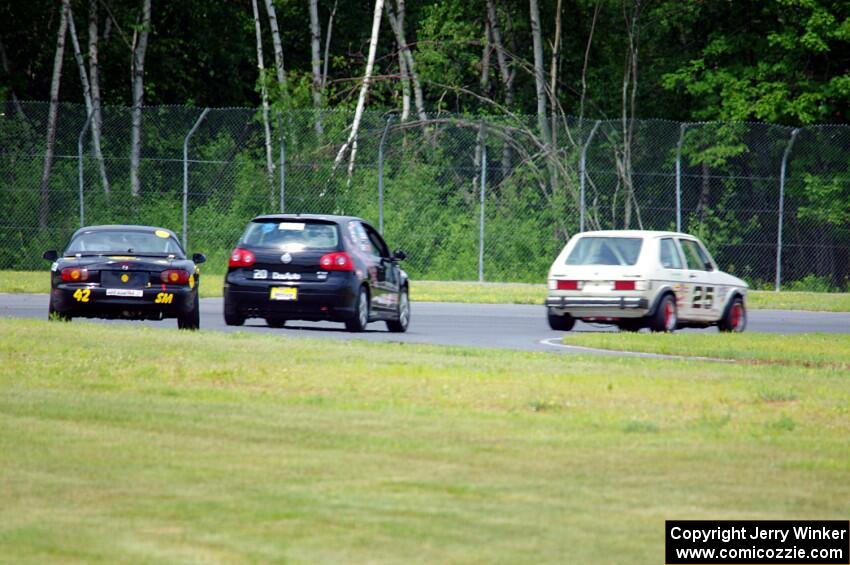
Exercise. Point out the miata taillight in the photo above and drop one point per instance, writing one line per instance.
(624, 285)
(567, 285)
(339, 261)
(75, 274)
(242, 258)
(174, 276)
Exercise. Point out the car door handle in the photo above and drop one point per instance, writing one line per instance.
(693, 276)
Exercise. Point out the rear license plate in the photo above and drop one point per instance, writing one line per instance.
(284, 293)
(124, 292)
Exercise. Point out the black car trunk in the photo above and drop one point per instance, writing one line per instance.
(118, 272)
(275, 265)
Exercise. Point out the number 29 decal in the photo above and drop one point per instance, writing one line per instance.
(703, 297)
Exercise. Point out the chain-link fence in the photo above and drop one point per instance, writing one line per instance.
(468, 197)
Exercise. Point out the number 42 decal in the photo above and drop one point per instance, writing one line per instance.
(703, 297)
(82, 294)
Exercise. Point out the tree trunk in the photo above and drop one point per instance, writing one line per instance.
(403, 69)
(553, 73)
(328, 47)
(476, 163)
(539, 74)
(507, 75)
(278, 46)
(87, 94)
(139, 49)
(586, 59)
(264, 95)
(78, 57)
(485, 61)
(316, 62)
(553, 89)
(397, 25)
(630, 77)
(351, 142)
(53, 114)
(94, 80)
(705, 191)
(405, 86)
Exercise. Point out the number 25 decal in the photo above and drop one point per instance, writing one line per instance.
(703, 297)
(164, 298)
(82, 294)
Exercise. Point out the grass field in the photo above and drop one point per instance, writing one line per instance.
(808, 350)
(485, 293)
(140, 445)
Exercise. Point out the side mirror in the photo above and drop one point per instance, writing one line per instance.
(51, 255)
(199, 258)
(399, 255)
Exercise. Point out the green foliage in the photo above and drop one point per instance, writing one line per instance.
(828, 200)
(781, 69)
(813, 283)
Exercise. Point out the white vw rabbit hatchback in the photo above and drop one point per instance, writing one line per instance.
(636, 279)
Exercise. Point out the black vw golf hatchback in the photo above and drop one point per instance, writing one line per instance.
(310, 267)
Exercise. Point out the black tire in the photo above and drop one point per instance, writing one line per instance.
(631, 325)
(666, 317)
(560, 323)
(735, 317)
(400, 325)
(273, 322)
(231, 315)
(358, 321)
(55, 316)
(190, 319)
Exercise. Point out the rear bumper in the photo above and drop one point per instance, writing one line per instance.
(93, 302)
(581, 303)
(599, 308)
(333, 299)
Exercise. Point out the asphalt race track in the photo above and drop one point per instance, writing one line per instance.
(507, 326)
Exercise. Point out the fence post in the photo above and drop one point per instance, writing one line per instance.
(794, 133)
(80, 167)
(186, 174)
(381, 175)
(582, 174)
(481, 220)
(679, 177)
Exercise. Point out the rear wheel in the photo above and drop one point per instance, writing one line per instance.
(666, 317)
(361, 312)
(559, 322)
(735, 317)
(56, 316)
(231, 314)
(400, 325)
(275, 322)
(190, 319)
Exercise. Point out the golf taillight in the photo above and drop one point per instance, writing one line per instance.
(624, 285)
(75, 274)
(241, 258)
(567, 285)
(339, 261)
(174, 276)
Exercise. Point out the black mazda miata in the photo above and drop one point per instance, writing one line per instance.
(127, 272)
